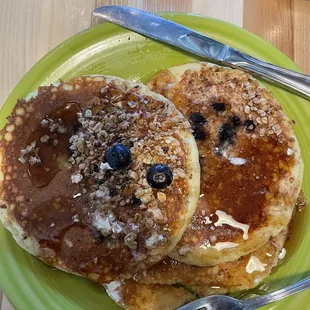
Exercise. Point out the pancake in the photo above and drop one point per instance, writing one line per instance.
(149, 289)
(243, 274)
(132, 295)
(99, 176)
(251, 167)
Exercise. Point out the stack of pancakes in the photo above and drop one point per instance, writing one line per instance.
(218, 226)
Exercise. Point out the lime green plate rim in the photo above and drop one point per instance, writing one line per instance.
(15, 290)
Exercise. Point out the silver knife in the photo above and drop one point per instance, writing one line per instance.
(164, 30)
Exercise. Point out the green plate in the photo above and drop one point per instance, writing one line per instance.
(108, 49)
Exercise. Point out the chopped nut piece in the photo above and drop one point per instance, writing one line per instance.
(76, 178)
(22, 160)
(130, 240)
(105, 167)
(289, 151)
(147, 198)
(133, 175)
(62, 129)
(153, 240)
(44, 122)
(44, 138)
(34, 160)
(55, 142)
(181, 173)
(161, 196)
(69, 243)
(88, 113)
(131, 104)
(75, 218)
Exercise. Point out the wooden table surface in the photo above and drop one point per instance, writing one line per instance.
(30, 28)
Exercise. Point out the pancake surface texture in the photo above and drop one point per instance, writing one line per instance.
(251, 167)
(64, 203)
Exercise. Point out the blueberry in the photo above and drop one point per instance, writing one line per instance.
(76, 127)
(249, 125)
(97, 143)
(199, 132)
(95, 168)
(136, 201)
(226, 133)
(165, 149)
(113, 191)
(219, 106)
(118, 156)
(159, 176)
(197, 119)
(235, 120)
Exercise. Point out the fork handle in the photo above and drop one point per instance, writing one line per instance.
(277, 295)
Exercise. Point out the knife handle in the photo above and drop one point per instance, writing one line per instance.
(291, 80)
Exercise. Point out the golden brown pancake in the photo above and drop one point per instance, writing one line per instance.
(64, 203)
(149, 288)
(251, 167)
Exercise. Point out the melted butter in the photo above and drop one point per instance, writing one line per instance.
(112, 289)
(224, 218)
(207, 220)
(255, 264)
(219, 246)
(282, 253)
(237, 161)
(53, 157)
(224, 245)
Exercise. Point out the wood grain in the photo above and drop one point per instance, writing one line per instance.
(301, 26)
(227, 10)
(283, 23)
(31, 28)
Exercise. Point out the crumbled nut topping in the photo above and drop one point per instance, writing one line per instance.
(30, 154)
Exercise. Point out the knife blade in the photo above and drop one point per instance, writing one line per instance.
(161, 29)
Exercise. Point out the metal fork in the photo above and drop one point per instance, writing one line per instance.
(222, 302)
